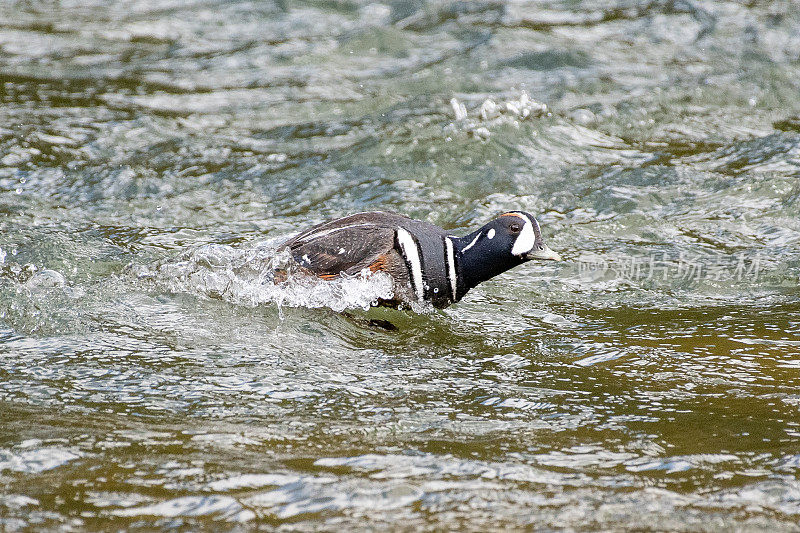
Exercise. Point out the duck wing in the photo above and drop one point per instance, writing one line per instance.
(347, 245)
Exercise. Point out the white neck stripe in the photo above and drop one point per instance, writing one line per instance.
(450, 258)
(411, 253)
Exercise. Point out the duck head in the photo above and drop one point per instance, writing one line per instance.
(507, 241)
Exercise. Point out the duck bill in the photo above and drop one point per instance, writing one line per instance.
(545, 254)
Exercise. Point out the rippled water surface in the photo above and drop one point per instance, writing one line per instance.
(154, 154)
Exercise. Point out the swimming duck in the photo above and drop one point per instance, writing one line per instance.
(426, 263)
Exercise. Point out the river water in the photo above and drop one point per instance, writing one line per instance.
(153, 155)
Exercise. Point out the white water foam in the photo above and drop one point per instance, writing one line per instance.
(246, 276)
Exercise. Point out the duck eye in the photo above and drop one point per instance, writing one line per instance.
(540, 247)
(514, 228)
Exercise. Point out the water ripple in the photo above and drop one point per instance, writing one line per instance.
(153, 154)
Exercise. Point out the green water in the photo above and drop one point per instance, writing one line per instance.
(153, 155)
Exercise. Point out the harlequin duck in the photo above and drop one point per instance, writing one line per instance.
(425, 261)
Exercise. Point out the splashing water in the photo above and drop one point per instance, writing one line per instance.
(652, 378)
(247, 276)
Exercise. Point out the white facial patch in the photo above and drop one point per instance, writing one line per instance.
(490, 234)
(526, 238)
(411, 253)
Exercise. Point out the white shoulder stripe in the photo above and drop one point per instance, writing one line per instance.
(408, 247)
(451, 267)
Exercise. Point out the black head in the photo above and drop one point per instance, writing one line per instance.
(507, 241)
